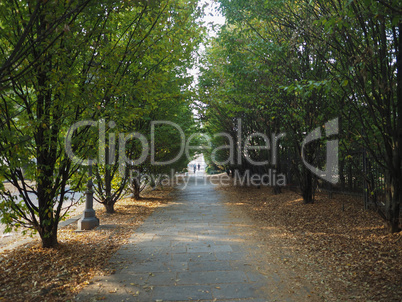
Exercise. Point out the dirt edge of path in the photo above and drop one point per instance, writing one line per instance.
(289, 283)
(344, 251)
(32, 273)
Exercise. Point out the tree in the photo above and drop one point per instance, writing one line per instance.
(317, 60)
(270, 77)
(36, 107)
(145, 75)
(15, 49)
(364, 37)
(60, 70)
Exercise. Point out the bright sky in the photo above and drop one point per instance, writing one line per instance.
(212, 16)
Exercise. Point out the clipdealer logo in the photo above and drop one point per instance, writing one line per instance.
(241, 145)
(331, 172)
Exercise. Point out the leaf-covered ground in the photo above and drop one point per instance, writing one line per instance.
(32, 273)
(334, 243)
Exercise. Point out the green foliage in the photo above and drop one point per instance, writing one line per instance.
(64, 62)
(285, 66)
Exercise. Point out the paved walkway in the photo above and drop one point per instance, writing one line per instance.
(189, 250)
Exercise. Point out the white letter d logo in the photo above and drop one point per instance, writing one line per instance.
(330, 173)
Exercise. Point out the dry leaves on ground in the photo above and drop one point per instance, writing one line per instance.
(333, 241)
(32, 273)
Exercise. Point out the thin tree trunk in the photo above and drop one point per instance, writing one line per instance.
(307, 188)
(394, 196)
(136, 186)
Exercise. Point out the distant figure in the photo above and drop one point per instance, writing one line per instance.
(199, 166)
(195, 168)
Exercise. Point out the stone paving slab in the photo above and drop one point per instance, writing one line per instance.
(187, 251)
(182, 293)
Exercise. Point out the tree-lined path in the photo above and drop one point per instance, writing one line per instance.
(192, 249)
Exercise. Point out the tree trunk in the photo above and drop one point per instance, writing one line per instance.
(277, 189)
(394, 196)
(136, 188)
(109, 207)
(109, 202)
(350, 177)
(392, 205)
(48, 236)
(136, 193)
(307, 188)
